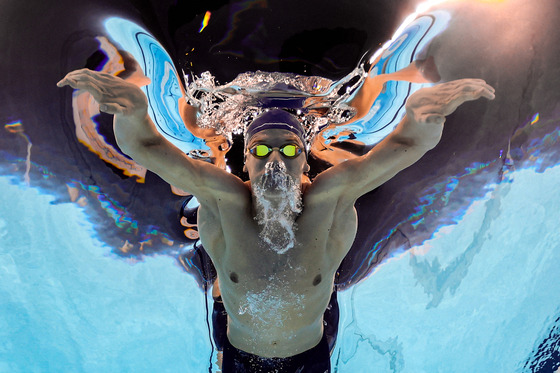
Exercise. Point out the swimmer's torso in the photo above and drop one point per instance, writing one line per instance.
(275, 302)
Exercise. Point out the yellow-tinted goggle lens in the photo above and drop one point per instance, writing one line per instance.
(289, 150)
(261, 150)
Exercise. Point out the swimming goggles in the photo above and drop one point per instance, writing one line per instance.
(263, 151)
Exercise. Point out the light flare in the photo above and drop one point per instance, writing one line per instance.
(420, 9)
(17, 128)
(205, 21)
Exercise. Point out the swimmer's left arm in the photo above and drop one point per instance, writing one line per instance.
(418, 132)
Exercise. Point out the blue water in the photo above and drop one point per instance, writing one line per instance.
(479, 296)
(68, 305)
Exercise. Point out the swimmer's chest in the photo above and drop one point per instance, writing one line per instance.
(301, 270)
(232, 238)
(294, 278)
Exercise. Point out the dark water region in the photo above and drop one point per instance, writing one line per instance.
(39, 54)
(512, 45)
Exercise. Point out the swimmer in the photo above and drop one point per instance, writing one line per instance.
(276, 240)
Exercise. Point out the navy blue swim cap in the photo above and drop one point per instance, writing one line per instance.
(276, 119)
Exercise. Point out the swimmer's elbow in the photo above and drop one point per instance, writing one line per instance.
(414, 144)
(138, 149)
(151, 143)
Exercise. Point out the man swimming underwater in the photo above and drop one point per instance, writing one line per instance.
(276, 240)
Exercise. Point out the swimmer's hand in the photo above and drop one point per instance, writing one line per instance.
(114, 95)
(427, 108)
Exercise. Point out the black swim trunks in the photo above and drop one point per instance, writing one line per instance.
(315, 360)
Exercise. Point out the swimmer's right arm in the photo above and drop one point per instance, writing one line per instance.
(138, 137)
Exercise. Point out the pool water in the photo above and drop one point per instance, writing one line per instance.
(480, 296)
(456, 264)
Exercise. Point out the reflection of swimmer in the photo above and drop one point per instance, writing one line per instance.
(276, 241)
(217, 143)
(85, 110)
(17, 128)
(417, 72)
(122, 64)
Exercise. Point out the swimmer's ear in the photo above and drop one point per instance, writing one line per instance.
(306, 168)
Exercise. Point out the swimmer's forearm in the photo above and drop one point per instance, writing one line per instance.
(138, 138)
(135, 132)
(420, 136)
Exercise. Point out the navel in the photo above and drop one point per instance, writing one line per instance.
(233, 277)
(317, 280)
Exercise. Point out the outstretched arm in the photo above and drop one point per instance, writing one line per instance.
(419, 131)
(137, 137)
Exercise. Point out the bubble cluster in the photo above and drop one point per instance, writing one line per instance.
(229, 108)
(272, 305)
(278, 199)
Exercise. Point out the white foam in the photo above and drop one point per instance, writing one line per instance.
(271, 306)
(277, 219)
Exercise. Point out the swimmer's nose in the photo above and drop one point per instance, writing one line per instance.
(275, 157)
(275, 166)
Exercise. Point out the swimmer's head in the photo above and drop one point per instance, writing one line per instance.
(276, 119)
(275, 138)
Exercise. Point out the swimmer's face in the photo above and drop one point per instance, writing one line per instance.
(275, 138)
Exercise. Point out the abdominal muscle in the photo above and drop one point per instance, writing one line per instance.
(268, 342)
(272, 323)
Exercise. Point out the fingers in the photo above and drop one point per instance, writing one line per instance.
(114, 95)
(431, 105)
(71, 78)
(85, 78)
(66, 81)
(460, 91)
(488, 92)
(481, 89)
(435, 119)
(79, 79)
(473, 89)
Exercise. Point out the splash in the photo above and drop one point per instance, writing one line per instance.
(229, 108)
(331, 111)
(279, 202)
